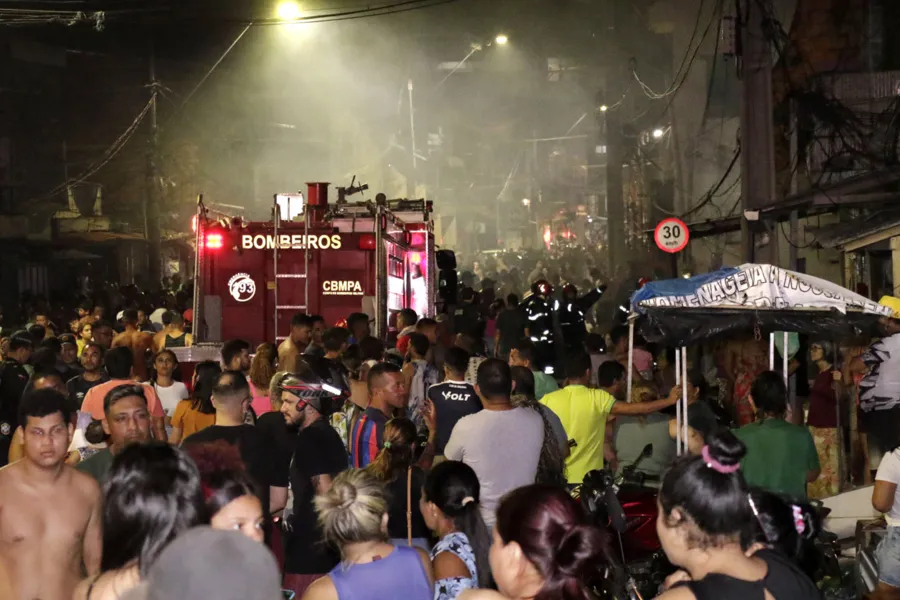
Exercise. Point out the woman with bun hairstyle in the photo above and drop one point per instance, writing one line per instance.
(353, 517)
(543, 548)
(706, 512)
(449, 504)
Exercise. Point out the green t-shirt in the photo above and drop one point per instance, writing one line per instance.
(543, 385)
(779, 456)
(97, 466)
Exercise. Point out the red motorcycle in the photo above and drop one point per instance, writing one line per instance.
(627, 508)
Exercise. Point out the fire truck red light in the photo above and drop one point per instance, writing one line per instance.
(214, 241)
(367, 242)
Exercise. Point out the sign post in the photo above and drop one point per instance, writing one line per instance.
(671, 235)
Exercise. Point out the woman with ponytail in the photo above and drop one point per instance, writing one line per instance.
(450, 507)
(544, 548)
(707, 514)
(395, 467)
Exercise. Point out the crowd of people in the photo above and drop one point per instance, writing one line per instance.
(428, 466)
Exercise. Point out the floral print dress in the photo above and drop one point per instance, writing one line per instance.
(457, 544)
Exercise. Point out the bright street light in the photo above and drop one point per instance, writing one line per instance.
(502, 39)
(603, 108)
(658, 133)
(288, 11)
(526, 202)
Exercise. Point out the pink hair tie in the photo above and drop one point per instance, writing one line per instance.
(716, 465)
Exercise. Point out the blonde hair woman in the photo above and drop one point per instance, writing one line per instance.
(353, 516)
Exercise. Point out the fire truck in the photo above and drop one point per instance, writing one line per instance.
(332, 259)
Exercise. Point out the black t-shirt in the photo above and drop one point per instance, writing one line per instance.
(13, 381)
(258, 453)
(467, 319)
(452, 400)
(275, 429)
(511, 325)
(319, 451)
(78, 387)
(396, 490)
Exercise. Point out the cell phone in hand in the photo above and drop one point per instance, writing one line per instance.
(289, 594)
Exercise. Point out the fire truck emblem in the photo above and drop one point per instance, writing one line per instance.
(241, 287)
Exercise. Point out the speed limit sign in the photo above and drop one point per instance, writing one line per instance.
(671, 235)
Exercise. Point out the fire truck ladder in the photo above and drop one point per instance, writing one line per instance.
(291, 276)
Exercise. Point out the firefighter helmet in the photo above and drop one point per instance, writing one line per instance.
(542, 287)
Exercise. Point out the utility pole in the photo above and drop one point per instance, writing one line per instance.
(152, 195)
(615, 199)
(757, 149)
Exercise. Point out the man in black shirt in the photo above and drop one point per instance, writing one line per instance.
(13, 380)
(454, 398)
(510, 327)
(319, 456)
(94, 374)
(231, 396)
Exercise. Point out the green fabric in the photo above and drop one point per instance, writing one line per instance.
(97, 466)
(779, 456)
(543, 385)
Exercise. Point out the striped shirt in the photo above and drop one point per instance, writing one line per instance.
(367, 437)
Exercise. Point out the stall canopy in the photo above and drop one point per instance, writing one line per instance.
(751, 297)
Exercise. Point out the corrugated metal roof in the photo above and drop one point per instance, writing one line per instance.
(839, 234)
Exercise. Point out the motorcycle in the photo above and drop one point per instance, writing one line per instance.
(626, 507)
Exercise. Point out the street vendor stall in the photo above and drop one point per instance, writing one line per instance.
(753, 297)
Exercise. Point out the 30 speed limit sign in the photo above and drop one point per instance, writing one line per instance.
(671, 235)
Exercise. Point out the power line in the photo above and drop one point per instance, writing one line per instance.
(107, 155)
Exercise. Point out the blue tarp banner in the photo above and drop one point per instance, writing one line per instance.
(678, 287)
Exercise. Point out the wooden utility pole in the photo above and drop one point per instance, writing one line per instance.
(757, 127)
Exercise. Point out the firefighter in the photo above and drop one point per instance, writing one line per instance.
(539, 324)
(570, 313)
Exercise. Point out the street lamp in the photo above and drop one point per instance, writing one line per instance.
(658, 133)
(603, 108)
(502, 40)
(526, 202)
(287, 11)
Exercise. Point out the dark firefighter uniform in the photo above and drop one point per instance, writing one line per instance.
(539, 323)
(570, 313)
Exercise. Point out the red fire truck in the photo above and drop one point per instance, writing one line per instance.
(333, 260)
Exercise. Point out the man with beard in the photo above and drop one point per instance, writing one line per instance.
(93, 374)
(49, 513)
(319, 456)
(126, 421)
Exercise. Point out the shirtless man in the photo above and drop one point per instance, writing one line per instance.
(140, 343)
(49, 512)
(159, 339)
(291, 348)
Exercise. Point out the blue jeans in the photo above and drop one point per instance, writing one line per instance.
(888, 556)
